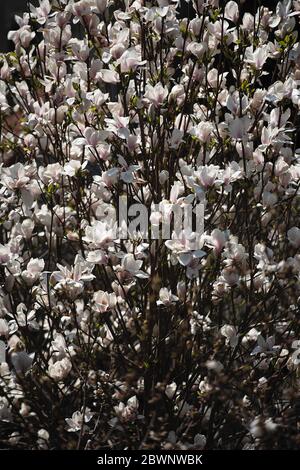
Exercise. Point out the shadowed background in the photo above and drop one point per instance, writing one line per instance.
(11, 7)
(8, 9)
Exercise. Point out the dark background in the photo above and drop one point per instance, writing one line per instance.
(8, 8)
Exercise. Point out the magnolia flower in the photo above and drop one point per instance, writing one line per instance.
(207, 175)
(270, 136)
(33, 271)
(197, 49)
(59, 347)
(235, 254)
(43, 438)
(103, 301)
(231, 11)
(181, 290)
(269, 196)
(157, 94)
(21, 37)
(91, 138)
(203, 131)
(97, 97)
(230, 334)
(235, 104)
(130, 59)
(59, 370)
(97, 257)
(118, 125)
(170, 390)
(216, 240)
(184, 247)
(109, 76)
(166, 297)
(279, 90)
(73, 167)
(78, 420)
(41, 12)
(14, 177)
(23, 318)
(80, 49)
(176, 138)
(220, 29)
(128, 175)
(26, 228)
(263, 254)
(163, 176)
(71, 280)
(232, 173)
(80, 8)
(5, 254)
(295, 358)
(127, 413)
(258, 57)
(100, 235)
(230, 276)
(177, 93)
(130, 267)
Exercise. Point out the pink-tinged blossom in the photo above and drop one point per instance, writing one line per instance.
(203, 131)
(70, 281)
(207, 175)
(99, 235)
(185, 246)
(21, 37)
(130, 268)
(130, 60)
(166, 297)
(103, 301)
(118, 125)
(59, 370)
(109, 76)
(230, 334)
(41, 12)
(220, 29)
(257, 57)
(128, 412)
(216, 240)
(168, 112)
(91, 138)
(14, 177)
(33, 271)
(231, 11)
(78, 420)
(156, 95)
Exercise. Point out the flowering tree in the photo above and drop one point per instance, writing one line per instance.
(142, 341)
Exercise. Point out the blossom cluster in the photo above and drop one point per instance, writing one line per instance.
(142, 342)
